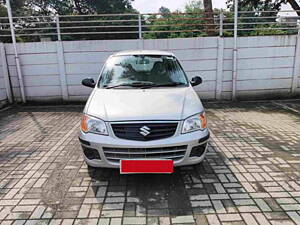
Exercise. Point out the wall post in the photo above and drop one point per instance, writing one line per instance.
(6, 74)
(58, 28)
(62, 70)
(18, 65)
(140, 26)
(221, 17)
(296, 71)
(235, 34)
(219, 78)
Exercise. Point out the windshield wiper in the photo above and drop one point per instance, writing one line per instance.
(133, 84)
(173, 84)
(118, 85)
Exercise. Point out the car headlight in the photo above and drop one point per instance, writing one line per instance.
(195, 122)
(91, 124)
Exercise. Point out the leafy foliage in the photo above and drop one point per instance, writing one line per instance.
(69, 7)
(190, 24)
(259, 17)
(263, 5)
(196, 19)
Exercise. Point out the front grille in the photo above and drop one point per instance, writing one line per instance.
(132, 131)
(116, 154)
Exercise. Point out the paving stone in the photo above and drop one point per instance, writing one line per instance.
(24, 208)
(112, 213)
(134, 220)
(212, 219)
(36, 222)
(239, 196)
(199, 197)
(295, 216)
(182, 219)
(86, 221)
(6, 222)
(84, 211)
(29, 202)
(285, 200)
(103, 221)
(261, 219)
(38, 212)
(262, 205)
(249, 219)
(164, 221)
(230, 217)
(55, 222)
(67, 222)
(219, 196)
(9, 202)
(95, 211)
(276, 215)
(280, 222)
(201, 203)
(200, 219)
(111, 206)
(291, 207)
(152, 221)
(244, 202)
(18, 215)
(219, 207)
(248, 209)
(115, 221)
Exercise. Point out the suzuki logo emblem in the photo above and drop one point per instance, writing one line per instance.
(145, 131)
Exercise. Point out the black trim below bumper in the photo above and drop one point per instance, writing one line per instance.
(84, 142)
(204, 138)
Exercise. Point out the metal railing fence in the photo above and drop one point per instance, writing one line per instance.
(152, 25)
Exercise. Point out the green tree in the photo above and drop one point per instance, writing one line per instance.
(3, 11)
(194, 7)
(263, 5)
(72, 7)
(164, 11)
(191, 24)
(209, 17)
(67, 7)
(81, 7)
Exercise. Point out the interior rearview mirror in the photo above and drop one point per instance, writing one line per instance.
(196, 81)
(88, 82)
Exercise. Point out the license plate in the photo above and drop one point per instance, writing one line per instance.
(146, 166)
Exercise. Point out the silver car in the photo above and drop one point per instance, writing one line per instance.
(143, 107)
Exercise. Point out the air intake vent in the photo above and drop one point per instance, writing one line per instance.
(117, 154)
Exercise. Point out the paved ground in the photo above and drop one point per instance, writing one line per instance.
(251, 174)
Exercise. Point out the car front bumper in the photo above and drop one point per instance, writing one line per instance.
(98, 142)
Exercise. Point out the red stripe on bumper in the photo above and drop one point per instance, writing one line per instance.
(146, 166)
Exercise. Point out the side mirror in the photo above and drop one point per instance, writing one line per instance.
(196, 81)
(88, 82)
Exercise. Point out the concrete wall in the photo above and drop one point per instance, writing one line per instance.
(267, 65)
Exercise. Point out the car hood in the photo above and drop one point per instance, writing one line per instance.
(144, 104)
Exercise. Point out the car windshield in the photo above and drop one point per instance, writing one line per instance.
(142, 71)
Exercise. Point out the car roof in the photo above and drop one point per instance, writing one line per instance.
(143, 52)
